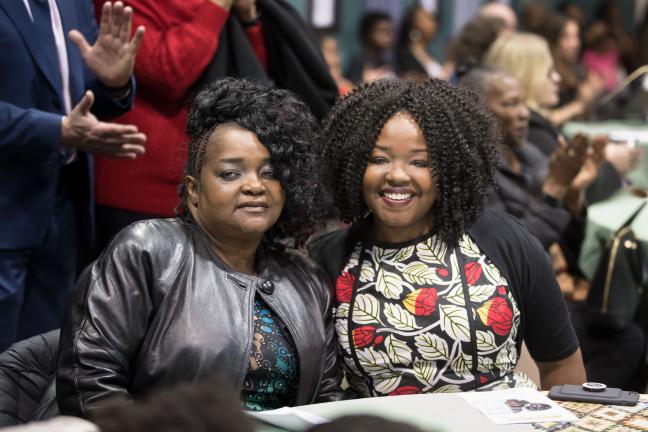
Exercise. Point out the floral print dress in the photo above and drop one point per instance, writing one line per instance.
(421, 317)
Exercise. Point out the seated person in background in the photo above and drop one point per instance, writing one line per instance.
(364, 423)
(329, 47)
(214, 291)
(578, 89)
(413, 60)
(432, 293)
(530, 186)
(532, 197)
(474, 40)
(527, 57)
(377, 40)
(500, 11)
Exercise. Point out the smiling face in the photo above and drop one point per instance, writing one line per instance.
(505, 99)
(237, 196)
(398, 186)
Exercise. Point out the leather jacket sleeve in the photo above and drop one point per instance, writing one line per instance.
(329, 389)
(104, 324)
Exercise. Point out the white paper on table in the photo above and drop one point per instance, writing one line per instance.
(522, 405)
(288, 418)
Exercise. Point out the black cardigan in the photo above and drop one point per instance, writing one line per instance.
(545, 323)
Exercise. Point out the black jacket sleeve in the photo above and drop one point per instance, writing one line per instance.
(106, 320)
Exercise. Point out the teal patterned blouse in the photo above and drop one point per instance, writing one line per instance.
(273, 371)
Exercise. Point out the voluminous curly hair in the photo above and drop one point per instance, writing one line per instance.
(462, 138)
(282, 123)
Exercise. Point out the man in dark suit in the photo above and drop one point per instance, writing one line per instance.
(51, 88)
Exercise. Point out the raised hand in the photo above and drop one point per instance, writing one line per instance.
(81, 130)
(112, 57)
(564, 164)
(591, 165)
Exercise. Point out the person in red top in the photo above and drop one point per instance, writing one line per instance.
(188, 44)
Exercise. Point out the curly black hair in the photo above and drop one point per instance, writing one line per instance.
(462, 137)
(282, 123)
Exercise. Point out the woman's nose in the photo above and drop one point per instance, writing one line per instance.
(396, 174)
(253, 185)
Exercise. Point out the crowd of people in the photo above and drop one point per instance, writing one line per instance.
(216, 213)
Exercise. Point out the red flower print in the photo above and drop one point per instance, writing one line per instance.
(497, 314)
(405, 390)
(344, 287)
(378, 340)
(483, 380)
(421, 302)
(473, 272)
(501, 290)
(442, 272)
(362, 336)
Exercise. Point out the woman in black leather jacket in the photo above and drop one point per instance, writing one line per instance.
(213, 292)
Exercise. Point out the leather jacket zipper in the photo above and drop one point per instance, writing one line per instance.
(246, 351)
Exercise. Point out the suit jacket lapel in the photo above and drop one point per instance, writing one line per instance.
(16, 11)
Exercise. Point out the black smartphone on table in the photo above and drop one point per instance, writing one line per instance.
(593, 393)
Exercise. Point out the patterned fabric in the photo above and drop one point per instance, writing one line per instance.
(273, 373)
(422, 317)
(602, 418)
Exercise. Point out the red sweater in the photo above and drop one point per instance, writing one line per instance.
(180, 40)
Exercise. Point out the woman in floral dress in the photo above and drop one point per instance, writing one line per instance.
(433, 294)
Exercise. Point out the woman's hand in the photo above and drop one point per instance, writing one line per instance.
(590, 89)
(112, 57)
(564, 165)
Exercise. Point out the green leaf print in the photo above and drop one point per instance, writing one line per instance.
(432, 251)
(432, 347)
(424, 371)
(400, 318)
(366, 309)
(398, 351)
(389, 284)
(420, 273)
(454, 321)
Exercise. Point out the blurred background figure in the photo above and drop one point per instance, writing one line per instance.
(331, 54)
(573, 11)
(576, 85)
(364, 423)
(501, 11)
(533, 17)
(467, 50)
(413, 59)
(211, 405)
(377, 41)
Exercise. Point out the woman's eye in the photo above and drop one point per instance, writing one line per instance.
(268, 173)
(229, 175)
(377, 160)
(421, 164)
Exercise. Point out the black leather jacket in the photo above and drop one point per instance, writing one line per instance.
(159, 307)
